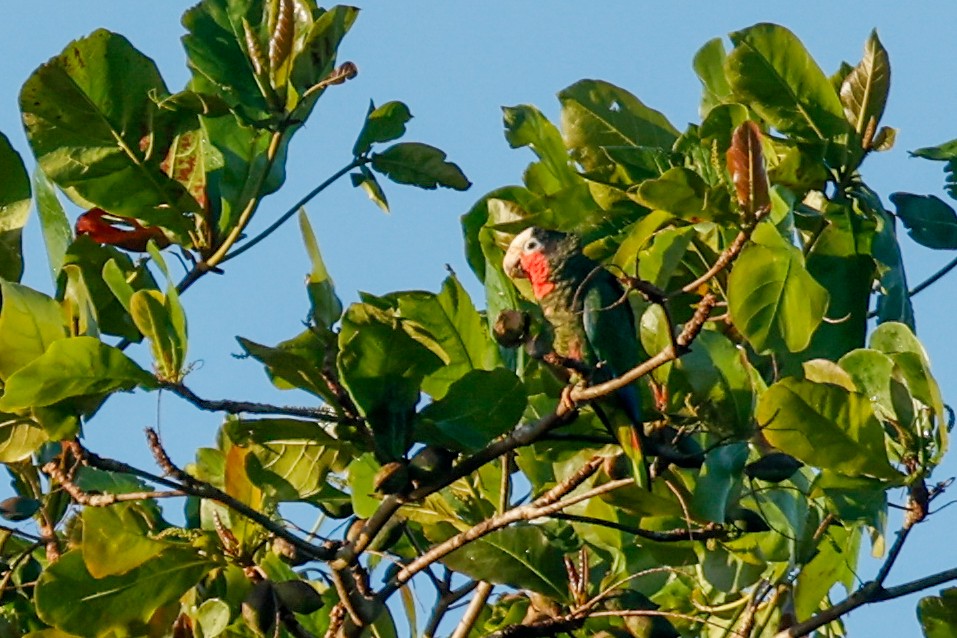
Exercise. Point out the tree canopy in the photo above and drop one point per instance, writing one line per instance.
(447, 454)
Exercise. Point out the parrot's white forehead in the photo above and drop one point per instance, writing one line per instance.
(522, 237)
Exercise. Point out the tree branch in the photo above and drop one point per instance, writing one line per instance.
(543, 506)
(192, 486)
(669, 536)
(355, 163)
(100, 499)
(728, 255)
(249, 407)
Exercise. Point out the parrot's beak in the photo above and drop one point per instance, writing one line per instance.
(512, 264)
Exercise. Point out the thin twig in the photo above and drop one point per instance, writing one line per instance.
(476, 605)
(249, 407)
(101, 499)
(668, 536)
(543, 506)
(728, 255)
(355, 163)
(195, 487)
(870, 592)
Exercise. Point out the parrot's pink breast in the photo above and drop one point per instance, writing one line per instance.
(536, 266)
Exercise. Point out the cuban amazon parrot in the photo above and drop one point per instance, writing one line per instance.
(592, 325)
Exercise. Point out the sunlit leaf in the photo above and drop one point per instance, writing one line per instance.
(93, 129)
(71, 368)
(326, 307)
(773, 300)
(708, 63)
(29, 322)
(383, 124)
(366, 180)
(68, 597)
(151, 311)
(116, 539)
(57, 233)
(596, 114)
(770, 69)
(864, 90)
(825, 426)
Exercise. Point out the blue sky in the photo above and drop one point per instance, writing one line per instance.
(455, 64)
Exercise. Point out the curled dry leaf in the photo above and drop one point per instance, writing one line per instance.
(119, 231)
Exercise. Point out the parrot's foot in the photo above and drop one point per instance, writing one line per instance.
(566, 403)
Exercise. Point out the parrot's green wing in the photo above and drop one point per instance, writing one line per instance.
(610, 330)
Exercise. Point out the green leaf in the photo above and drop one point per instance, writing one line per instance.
(326, 307)
(450, 326)
(19, 438)
(938, 614)
(720, 481)
(72, 367)
(840, 260)
(217, 52)
(825, 426)
(72, 600)
(84, 262)
(289, 456)
(708, 63)
(366, 180)
(115, 539)
(213, 617)
(478, 407)
(382, 124)
(295, 363)
(382, 367)
(865, 89)
(246, 170)
(772, 298)
(29, 322)
(718, 373)
(419, 165)
(680, 191)
(14, 210)
(521, 556)
(929, 220)
(93, 129)
(872, 372)
(154, 315)
(526, 126)
(362, 473)
(57, 233)
(832, 564)
(596, 114)
(771, 70)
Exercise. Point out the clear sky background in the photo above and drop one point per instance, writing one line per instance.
(455, 64)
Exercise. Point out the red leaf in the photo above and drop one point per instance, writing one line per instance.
(746, 165)
(119, 231)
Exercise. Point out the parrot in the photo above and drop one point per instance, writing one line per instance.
(592, 326)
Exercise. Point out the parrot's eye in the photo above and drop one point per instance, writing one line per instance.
(532, 244)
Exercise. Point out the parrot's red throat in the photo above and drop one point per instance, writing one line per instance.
(539, 273)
